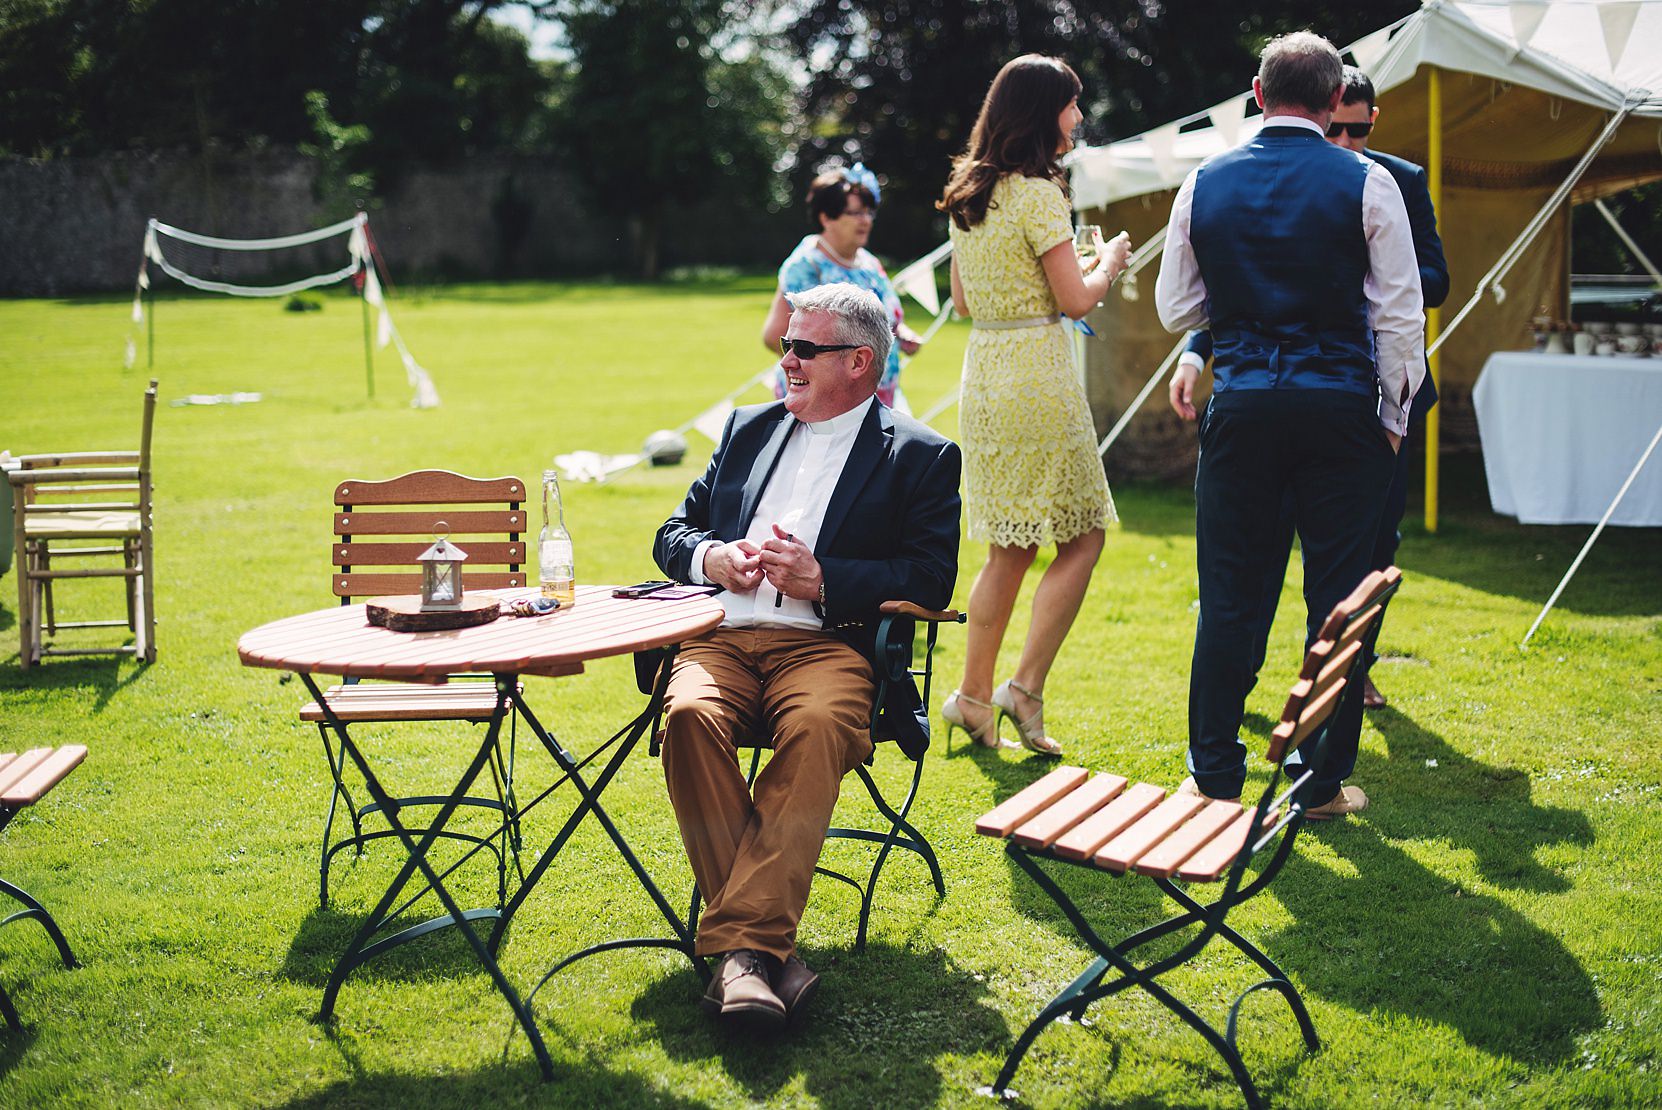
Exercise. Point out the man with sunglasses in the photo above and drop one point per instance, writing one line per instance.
(1300, 258)
(1353, 121)
(814, 511)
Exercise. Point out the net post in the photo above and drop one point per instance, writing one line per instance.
(363, 299)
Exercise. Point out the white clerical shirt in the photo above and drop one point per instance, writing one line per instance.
(796, 497)
(1396, 308)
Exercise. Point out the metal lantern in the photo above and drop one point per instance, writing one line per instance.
(441, 574)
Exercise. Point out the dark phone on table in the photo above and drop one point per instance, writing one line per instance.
(640, 589)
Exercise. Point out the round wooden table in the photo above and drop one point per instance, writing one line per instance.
(340, 641)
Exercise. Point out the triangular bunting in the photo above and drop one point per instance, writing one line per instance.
(1162, 144)
(383, 331)
(712, 420)
(1526, 20)
(1617, 21)
(918, 282)
(372, 289)
(1227, 117)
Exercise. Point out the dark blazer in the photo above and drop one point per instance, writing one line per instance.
(1428, 252)
(890, 531)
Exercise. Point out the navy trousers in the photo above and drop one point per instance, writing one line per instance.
(1326, 452)
(1384, 550)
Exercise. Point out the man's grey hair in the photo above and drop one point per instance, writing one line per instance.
(861, 317)
(1300, 70)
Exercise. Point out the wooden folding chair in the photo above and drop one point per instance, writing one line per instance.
(896, 641)
(487, 519)
(25, 780)
(1106, 824)
(85, 505)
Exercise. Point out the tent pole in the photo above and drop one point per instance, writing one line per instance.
(1588, 546)
(1433, 316)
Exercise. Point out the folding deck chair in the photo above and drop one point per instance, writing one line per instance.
(487, 517)
(25, 780)
(79, 506)
(896, 635)
(1106, 824)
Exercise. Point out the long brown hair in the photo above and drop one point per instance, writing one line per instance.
(1016, 132)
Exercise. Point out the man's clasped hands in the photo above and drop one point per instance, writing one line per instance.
(785, 561)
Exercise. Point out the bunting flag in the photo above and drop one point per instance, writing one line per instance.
(383, 330)
(1227, 117)
(1526, 20)
(372, 289)
(1162, 148)
(917, 280)
(712, 420)
(1617, 21)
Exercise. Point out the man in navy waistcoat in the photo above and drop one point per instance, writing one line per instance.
(1299, 256)
(1352, 122)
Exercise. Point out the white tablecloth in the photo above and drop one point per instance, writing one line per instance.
(1561, 433)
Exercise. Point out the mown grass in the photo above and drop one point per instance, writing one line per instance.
(1488, 932)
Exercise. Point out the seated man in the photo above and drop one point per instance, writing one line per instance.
(814, 511)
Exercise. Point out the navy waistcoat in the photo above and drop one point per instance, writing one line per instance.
(1276, 225)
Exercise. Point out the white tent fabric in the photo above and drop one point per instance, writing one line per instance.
(1597, 52)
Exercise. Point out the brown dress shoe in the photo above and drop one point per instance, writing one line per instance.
(1192, 789)
(742, 980)
(795, 985)
(1348, 800)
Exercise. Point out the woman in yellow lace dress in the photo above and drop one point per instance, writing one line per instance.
(1032, 475)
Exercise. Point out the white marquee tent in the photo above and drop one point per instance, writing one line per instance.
(1517, 107)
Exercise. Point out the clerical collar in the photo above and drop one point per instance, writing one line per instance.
(1292, 121)
(842, 422)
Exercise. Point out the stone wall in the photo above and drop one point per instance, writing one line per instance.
(76, 225)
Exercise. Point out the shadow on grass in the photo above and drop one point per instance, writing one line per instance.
(325, 933)
(880, 1019)
(1382, 932)
(15, 1045)
(100, 676)
(586, 1084)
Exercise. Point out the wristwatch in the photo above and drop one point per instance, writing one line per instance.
(822, 591)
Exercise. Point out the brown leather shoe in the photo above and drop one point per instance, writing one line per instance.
(1192, 789)
(742, 980)
(1348, 800)
(795, 985)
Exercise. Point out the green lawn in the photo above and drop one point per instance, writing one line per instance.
(1490, 931)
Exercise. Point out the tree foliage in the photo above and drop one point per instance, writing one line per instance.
(657, 118)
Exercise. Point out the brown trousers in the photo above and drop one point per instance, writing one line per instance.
(754, 857)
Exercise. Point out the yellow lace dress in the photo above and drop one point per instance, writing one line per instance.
(1031, 472)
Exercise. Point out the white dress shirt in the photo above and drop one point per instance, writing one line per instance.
(796, 497)
(1396, 309)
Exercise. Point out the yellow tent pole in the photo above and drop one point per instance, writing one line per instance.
(1433, 316)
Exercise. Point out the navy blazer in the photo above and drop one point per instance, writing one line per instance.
(1428, 252)
(890, 530)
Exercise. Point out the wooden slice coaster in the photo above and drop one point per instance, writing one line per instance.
(403, 613)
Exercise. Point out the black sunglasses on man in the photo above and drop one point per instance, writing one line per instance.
(1354, 130)
(807, 350)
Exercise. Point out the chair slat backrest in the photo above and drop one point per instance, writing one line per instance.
(1330, 662)
(416, 507)
(120, 480)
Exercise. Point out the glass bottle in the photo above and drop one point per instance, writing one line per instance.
(555, 569)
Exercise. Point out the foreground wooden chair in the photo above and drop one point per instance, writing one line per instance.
(896, 636)
(25, 780)
(79, 506)
(487, 517)
(1107, 824)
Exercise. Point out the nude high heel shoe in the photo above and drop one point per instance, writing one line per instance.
(986, 734)
(1031, 730)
